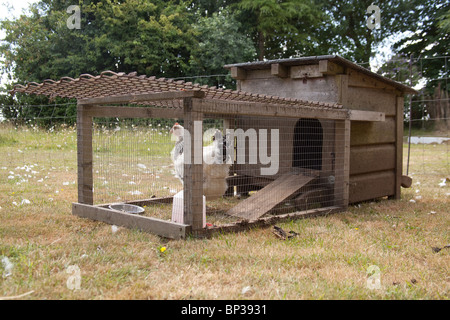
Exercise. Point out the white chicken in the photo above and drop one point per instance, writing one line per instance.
(216, 162)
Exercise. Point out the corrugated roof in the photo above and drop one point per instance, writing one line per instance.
(258, 65)
(109, 84)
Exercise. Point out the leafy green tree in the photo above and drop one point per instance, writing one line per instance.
(280, 28)
(429, 39)
(219, 42)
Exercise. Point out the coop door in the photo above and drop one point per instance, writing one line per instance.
(308, 142)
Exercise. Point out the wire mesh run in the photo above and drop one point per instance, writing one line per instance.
(251, 167)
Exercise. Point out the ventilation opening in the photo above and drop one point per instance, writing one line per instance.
(308, 141)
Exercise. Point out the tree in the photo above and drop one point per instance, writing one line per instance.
(219, 43)
(279, 28)
(346, 32)
(429, 39)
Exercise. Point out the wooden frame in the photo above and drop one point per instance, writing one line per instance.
(194, 108)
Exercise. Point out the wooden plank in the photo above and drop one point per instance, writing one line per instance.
(322, 89)
(159, 227)
(238, 73)
(330, 68)
(84, 155)
(361, 80)
(193, 168)
(371, 186)
(135, 112)
(372, 158)
(143, 97)
(267, 198)
(365, 133)
(360, 115)
(209, 106)
(306, 71)
(279, 70)
(369, 99)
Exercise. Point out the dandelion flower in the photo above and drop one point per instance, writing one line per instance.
(162, 249)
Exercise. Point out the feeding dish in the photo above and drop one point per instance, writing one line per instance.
(128, 208)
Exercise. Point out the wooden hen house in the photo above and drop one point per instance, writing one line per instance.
(340, 131)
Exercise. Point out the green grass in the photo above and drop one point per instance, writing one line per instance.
(329, 259)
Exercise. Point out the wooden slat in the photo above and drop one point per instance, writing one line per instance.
(370, 99)
(159, 227)
(145, 97)
(360, 115)
(365, 133)
(371, 186)
(270, 196)
(372, 158)
(135, 112)
(305, 71)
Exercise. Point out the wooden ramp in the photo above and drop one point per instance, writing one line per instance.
(271, 195)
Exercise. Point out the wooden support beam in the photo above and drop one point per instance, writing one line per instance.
(84, 155)
(306, 71)
(238, 73)
(210, 106)
(159, 227)
(143, 97)
(135, 112)
(330, 68)
(193, 167)
(279, 70)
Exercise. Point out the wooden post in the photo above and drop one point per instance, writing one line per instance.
(193, 167)
(342, 163)
(84, 155)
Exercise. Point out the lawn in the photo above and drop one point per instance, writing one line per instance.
(375, 250)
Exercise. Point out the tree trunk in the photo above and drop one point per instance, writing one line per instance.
(261, 44)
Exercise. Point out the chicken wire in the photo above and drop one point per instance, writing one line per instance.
(133, 161)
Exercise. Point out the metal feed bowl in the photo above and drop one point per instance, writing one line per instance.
(128, 208)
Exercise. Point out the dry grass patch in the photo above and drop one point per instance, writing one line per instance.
(329, 259)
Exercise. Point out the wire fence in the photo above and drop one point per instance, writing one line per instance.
(44, 136)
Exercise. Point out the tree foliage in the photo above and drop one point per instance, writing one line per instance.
(185, 38)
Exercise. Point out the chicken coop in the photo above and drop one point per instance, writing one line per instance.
(375, 159)
(299, 138)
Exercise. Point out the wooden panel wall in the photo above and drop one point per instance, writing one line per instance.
(376, 147)
(373, 156)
